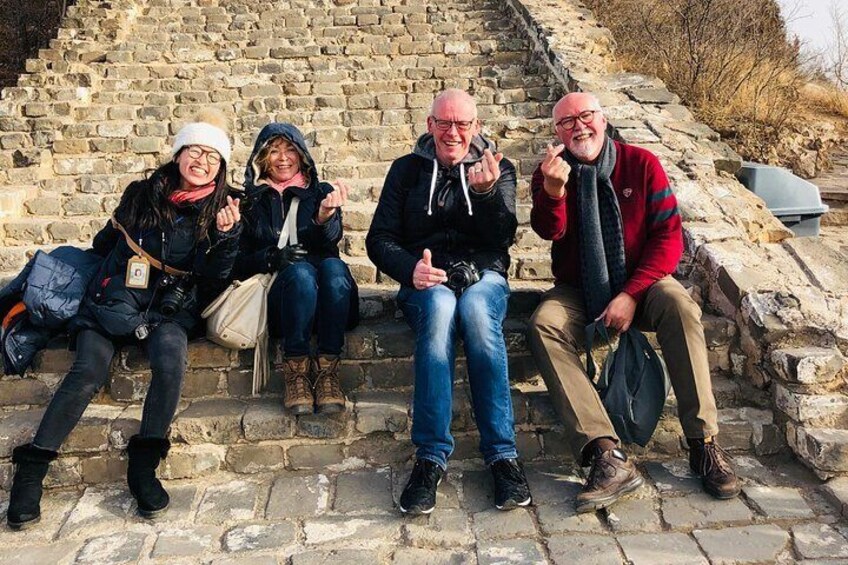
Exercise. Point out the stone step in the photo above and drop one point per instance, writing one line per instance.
(12, 199)
(837, 215)
(25, 235)
(527, 244)
(824, 449)
(377, 356)
(316, 90)
(256, 434)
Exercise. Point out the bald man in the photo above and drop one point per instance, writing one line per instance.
(617, 238)
(442, 228)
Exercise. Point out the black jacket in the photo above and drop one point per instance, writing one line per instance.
(264, 210)
(115, 310)
(479, 229)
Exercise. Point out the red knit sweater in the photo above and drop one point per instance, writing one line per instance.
(653, 237)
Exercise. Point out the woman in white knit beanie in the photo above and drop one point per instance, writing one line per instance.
(168, 250)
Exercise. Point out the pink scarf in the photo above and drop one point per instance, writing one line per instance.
(298, 180)
(180, 197)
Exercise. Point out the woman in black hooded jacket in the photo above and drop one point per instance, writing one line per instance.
(169, 247)
(313, 285)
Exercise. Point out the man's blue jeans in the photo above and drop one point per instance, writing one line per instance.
(435, 314)
(303, 292)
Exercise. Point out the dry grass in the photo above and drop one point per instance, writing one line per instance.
(729, 61)
(825, 98)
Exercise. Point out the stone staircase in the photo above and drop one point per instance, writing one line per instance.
(99, 108)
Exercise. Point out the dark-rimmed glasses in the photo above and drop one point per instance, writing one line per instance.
(445, 125)
(196, 152)
(568, 122)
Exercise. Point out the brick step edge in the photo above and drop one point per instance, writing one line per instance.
(377, 356)
(264, 439)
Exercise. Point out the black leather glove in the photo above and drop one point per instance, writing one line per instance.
(278, 259)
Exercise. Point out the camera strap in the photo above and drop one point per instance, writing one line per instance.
(136, 248)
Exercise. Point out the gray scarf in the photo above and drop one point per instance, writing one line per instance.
(603, 271)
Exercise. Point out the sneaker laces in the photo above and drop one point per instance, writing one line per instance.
(715, 457)
(508, 471)
(420, 476)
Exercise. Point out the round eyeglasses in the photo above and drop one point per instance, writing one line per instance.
(568, 122)
(196, 152)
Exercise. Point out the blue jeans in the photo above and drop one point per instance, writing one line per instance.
(300, 292)
(434, 315)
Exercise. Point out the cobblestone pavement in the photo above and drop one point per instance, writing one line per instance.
(349, 515)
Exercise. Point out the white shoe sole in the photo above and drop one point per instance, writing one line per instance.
(420, 512)
(516, 505)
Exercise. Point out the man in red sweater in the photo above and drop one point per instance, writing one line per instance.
(608, 208)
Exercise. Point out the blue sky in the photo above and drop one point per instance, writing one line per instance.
(810, 19)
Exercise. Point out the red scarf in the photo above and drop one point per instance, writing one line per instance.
(298, 180)
(180, 197)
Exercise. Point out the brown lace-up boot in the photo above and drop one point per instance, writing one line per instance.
(299, 399)
(329, 398)
(712, 464)
(612, 476)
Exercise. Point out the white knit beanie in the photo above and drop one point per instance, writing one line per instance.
(208, 130)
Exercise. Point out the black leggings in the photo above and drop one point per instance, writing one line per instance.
(167, 348)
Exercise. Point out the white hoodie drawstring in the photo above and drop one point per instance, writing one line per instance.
(465, 187)
(433, 188)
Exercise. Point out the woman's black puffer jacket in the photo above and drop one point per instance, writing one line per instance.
(112, 308)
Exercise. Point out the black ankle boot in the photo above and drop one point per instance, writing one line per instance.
(25, 499)
(144, 456)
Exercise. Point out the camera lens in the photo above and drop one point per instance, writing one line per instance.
(457, 279)
(173, 298)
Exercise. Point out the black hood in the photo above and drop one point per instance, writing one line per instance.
(290, 133)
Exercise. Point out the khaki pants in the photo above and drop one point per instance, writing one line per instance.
(556, 336)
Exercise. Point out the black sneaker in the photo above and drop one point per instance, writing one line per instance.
(511, 488)
(419, 495)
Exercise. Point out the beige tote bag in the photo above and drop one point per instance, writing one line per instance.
(238, 317)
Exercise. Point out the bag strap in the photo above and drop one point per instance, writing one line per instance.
(141, 252)
(288, 235)
(599, 328)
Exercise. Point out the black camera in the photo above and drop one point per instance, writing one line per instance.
(175, 290)
(461, 275)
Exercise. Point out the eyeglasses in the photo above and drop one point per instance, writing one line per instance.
(568, 122)
(196, 152)
(445, 125)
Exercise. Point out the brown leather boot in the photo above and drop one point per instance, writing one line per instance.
(712, 464)
(329, 398)
(299, 399)
(611, 477)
